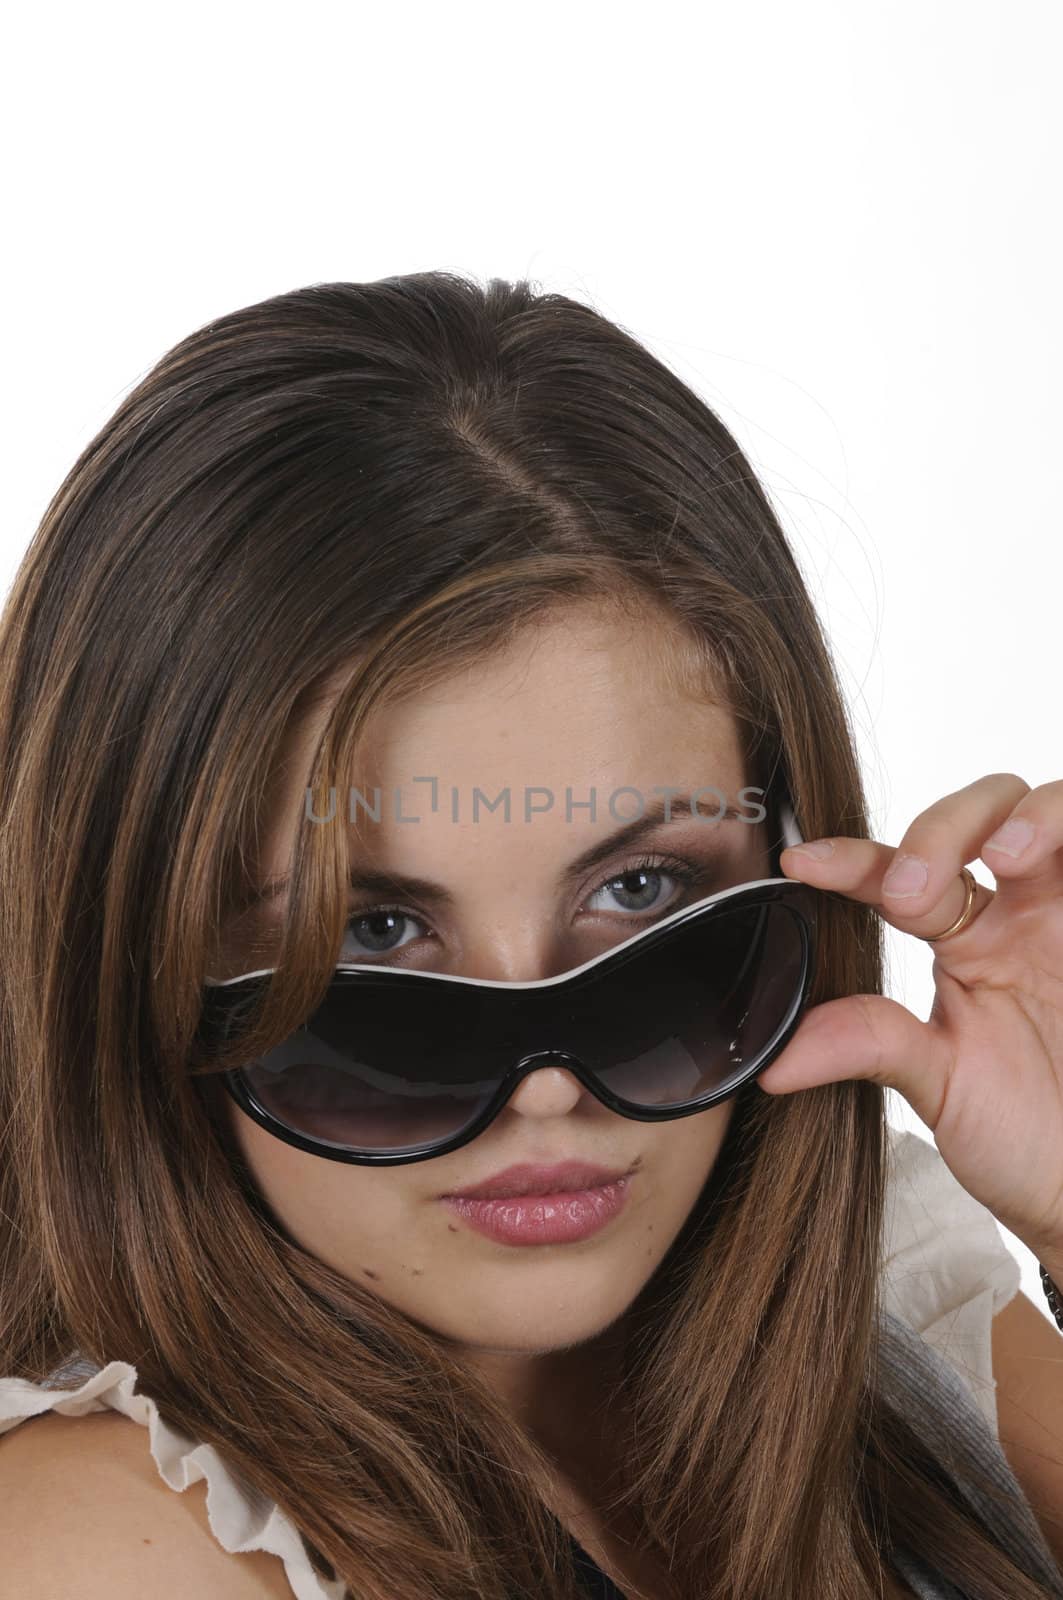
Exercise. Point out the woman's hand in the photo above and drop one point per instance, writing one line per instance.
(985, 1071)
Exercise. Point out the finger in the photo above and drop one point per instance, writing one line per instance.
(857, 867)
(866, 1036)
(1026, 851)
(922, 892)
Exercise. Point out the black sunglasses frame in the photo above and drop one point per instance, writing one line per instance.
(800, 900)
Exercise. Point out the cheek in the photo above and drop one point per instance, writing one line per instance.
(333, 1209)
(687, 1153)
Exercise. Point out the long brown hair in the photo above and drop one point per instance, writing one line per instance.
(385, 480)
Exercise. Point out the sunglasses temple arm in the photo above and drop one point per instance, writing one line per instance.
(790, 832)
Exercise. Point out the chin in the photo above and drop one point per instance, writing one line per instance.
(530, 1335)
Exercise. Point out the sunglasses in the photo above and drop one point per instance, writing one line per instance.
(397, 1066)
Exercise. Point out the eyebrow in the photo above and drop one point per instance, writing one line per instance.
(429, 892)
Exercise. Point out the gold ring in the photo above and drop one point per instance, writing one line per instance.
(965, 916)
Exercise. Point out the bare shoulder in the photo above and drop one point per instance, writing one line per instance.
(84, 1511)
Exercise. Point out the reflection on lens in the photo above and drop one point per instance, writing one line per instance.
(348, 1104)
(313, 1085)
(724, 993)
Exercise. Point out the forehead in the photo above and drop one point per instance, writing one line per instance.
(577, 709)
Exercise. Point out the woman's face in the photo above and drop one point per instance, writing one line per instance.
(579, 705)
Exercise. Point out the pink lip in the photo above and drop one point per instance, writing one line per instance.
(589, 1199)
(528, 1178)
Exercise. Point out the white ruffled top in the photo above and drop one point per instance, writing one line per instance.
(947, 1273)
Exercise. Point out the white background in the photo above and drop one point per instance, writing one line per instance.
(838, 221)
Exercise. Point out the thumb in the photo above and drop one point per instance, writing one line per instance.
(865, 1036)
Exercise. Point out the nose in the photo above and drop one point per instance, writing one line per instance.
(520, 950)
(548, 1091)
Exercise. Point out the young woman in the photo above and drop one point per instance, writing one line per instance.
(439, 629)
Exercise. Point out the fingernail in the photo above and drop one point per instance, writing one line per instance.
(907, 876)
(1012, 837)
(820, 849)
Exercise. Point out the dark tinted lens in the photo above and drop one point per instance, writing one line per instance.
(378, 1070)
(385, 1067)
(697, 1013)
